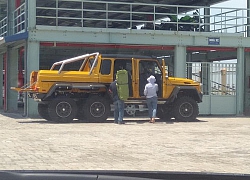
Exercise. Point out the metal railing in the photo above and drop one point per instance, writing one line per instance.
(122, 15)
(19, 17)
(3, 27)
(229, 20)
(19, 21)
(108, 14)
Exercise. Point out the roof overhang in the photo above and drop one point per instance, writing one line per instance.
(12, 41)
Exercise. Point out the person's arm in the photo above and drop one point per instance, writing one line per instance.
(145, 91)
(111, 88)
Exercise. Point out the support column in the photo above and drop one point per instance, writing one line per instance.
(205, 76)
(31, 60)
(31, 6)
(10, 8)
(207, 19)
(189, 67)
(31, 63)
(247, 84)
(1, 81)
(240, 82)
(12, 79)
(180, 61)
(247, 70)
(248, 20)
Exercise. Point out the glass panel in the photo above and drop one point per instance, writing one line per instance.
(105, 67)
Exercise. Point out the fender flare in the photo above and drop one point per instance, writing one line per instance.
(177, 89)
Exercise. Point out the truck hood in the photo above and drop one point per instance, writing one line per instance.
(182, 81)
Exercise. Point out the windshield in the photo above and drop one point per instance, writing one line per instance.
(162, 86)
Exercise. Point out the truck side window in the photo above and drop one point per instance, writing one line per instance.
(147, 68)
(105, 66)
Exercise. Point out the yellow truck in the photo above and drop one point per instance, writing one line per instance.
(77, 88)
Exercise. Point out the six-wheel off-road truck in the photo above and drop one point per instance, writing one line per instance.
(77, 88)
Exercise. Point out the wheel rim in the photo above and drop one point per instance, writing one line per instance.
(97, 109)
(186, 109)
(63, 109)
(130, 109)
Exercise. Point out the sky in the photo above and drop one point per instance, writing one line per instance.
(233, 4)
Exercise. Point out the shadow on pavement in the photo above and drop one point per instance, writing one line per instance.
(13, 115)
(196, 120)
(38, 122)
(127, 121)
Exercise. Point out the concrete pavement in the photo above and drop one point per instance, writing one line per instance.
(210, 144)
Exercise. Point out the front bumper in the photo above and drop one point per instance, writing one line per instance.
(36, 96)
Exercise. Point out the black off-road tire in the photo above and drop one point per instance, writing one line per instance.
(62, 110)
(96, 108)
(185, 109)
(43, 111)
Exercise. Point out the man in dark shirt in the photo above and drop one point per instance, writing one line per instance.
(118, 104)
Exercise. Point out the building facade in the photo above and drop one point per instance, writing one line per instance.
(194, 39)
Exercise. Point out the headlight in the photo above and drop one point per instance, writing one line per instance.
(201, 86)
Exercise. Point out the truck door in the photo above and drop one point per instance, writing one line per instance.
(146, 69)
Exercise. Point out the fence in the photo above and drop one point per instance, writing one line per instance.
(217, 78)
